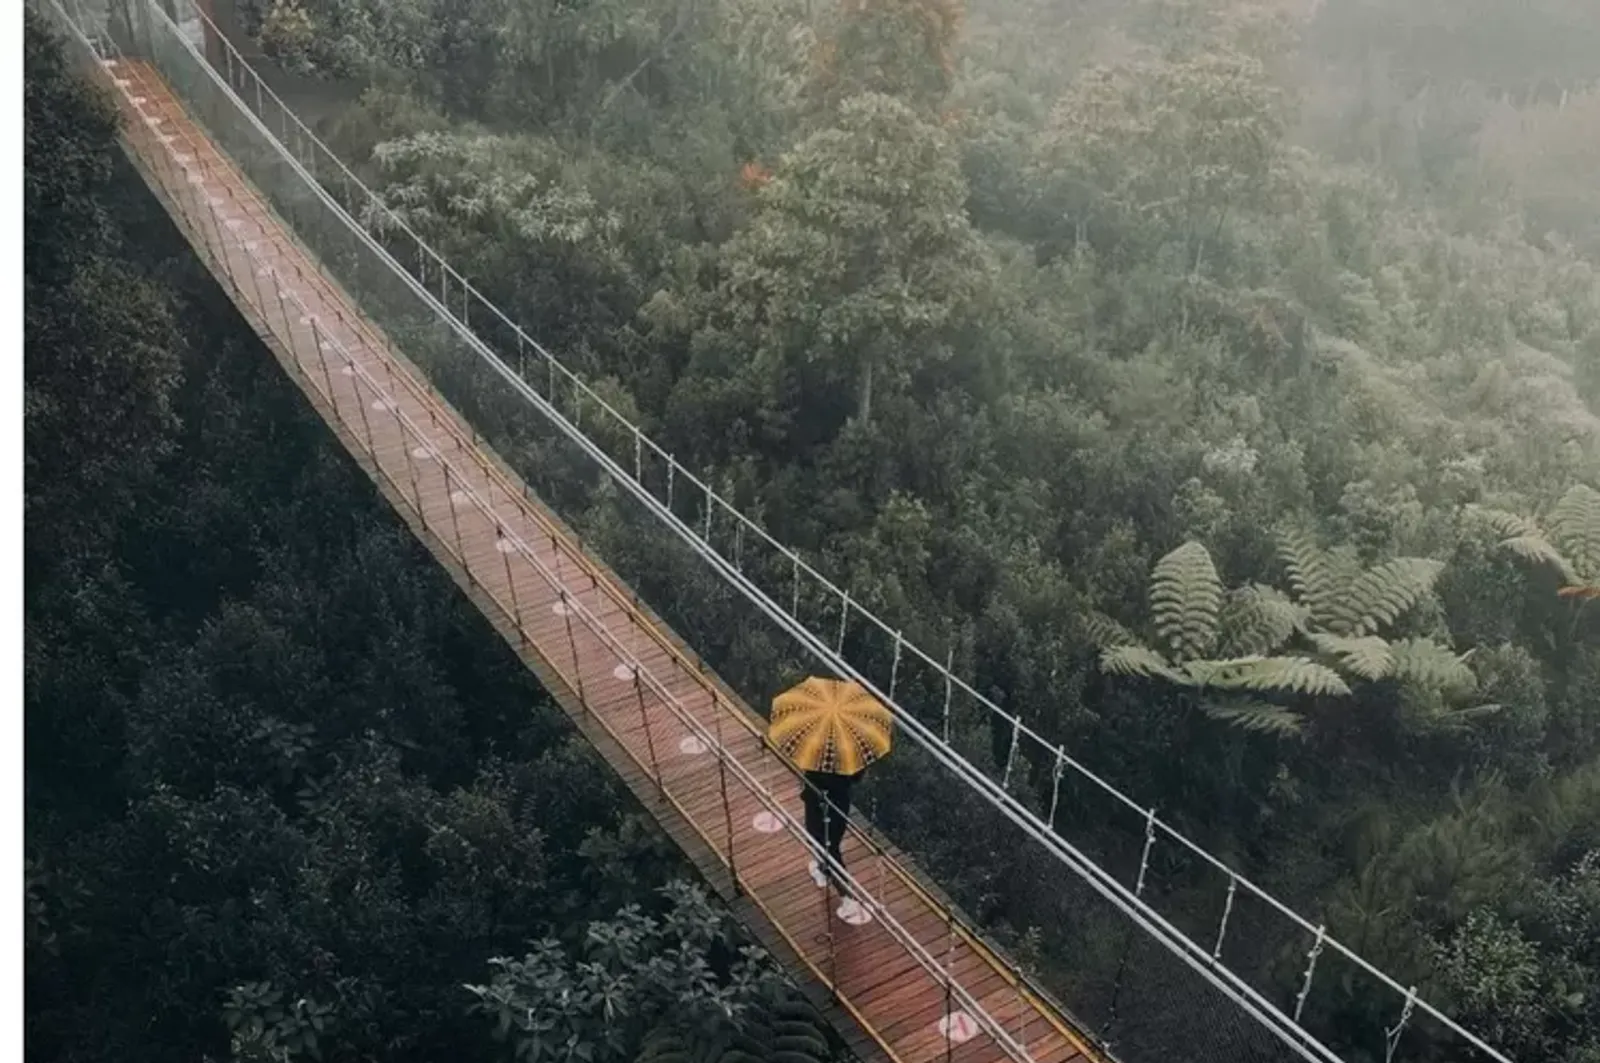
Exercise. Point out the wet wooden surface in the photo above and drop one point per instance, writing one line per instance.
(660, 724)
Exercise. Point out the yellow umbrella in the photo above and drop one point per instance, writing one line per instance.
(830, 725)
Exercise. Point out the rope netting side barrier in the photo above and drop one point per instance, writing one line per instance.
(1145, 936)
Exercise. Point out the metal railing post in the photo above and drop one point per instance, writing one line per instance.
(827, 902)
(1227, 911)
(949, 688)
(894, 668)
(649, 734)
(722, 782)
(1055, 785)
(217, 247)
(455, 523)
(283, 311)
(844, 618)
(949, 990)
(511, 582)
(572, 644)
(256, 265)
(1311, 970)
(393, 409)
(322, 358)
(1011, 754)
(366, 421)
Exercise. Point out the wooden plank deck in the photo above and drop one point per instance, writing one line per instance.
(659, 725)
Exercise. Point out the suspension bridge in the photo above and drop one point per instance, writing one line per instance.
(433, 390)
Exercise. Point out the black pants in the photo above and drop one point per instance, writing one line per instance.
(827, 803)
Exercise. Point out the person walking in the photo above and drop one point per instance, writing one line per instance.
(831, 730)
(826, 798)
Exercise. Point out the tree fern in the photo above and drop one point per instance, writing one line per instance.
(1105, 633)
(1506, 525)
(799, 1034)
(1428, 664)
(1312, 571)
(1185, 600)
(1380, 595)
(1298, 675)
(783, 1028)
(1257, 716)
(1368, 657)
(1540, 551)
(1258, 619)
(1575, 525)
(1138, 660)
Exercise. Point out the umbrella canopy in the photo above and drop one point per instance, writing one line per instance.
(830, 725)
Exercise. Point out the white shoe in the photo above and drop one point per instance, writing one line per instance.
(853, 913)
(817, 876)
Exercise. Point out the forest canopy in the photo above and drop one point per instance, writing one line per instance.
(1220, 379)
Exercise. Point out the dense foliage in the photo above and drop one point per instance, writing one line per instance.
(288, 796)
(1288, 315)
(1221, 378)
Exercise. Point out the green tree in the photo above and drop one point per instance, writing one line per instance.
(101, 361)
(642, 987)
(1162, 152)
(900, 48)
(847, 287)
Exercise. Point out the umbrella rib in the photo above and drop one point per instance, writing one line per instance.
(865, 740)
(797, 733)
(830, 725)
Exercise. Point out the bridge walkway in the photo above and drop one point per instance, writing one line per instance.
(911, 985)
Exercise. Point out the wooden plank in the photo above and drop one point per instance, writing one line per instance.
(520, 564)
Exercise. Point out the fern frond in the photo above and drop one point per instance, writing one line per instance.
(1257, 619)
(1379, 595)
(1185, 599)
(1506, 525)
(1575, 525)
(1105, 633)
(1540, 551)
(1312, 572)
(1432, 666)
(1367, 657)
(1138, 660)
(1257, 716)
(1297, 675)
